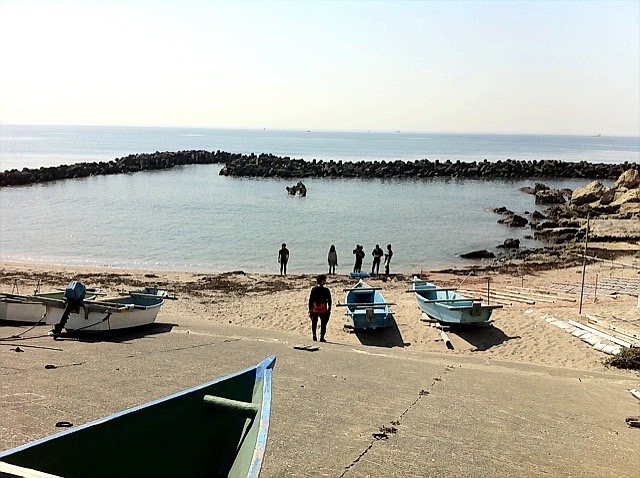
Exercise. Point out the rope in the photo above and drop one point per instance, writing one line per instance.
(19, 336)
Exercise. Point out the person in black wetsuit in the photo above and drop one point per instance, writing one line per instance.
(283, 258)
(320, 307)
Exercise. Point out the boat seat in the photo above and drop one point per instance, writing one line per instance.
(115, 298)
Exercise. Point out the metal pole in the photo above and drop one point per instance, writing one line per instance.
(488, 290)
(584, 264)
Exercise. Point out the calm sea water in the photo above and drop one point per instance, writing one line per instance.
(193, 219)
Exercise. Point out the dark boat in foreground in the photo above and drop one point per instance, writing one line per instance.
(215, 429)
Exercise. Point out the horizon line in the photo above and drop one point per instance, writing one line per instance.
(317, 130)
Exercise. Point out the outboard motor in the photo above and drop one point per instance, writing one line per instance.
(74, 296)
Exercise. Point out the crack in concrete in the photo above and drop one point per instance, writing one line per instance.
(379, 436)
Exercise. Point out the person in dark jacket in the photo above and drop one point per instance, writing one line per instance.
(359, 253)
(320, 307)
(377, 257)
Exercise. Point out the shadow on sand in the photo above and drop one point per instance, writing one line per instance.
(482, 338)
(120, 335)
(390, 336)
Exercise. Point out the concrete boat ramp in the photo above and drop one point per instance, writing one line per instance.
(340, 410)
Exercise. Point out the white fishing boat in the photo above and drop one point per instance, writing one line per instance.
(110, 313)
(15, 309)
(75, 313)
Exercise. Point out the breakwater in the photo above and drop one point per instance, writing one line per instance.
(268, 165)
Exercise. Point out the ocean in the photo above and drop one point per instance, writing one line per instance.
(191, 218)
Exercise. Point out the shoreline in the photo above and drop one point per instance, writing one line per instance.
(271, 302)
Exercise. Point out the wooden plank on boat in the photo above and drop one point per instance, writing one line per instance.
(362, 289)
(430, 289)
(365, 304)
(35, 298)
(437, 301)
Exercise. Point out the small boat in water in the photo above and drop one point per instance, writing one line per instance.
(214, 429)
(366, 307)
(15, 309)
(449, 307)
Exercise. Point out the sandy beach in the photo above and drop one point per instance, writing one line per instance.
(274, 302)
(522, 352)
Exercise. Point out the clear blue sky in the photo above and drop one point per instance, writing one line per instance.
(551, 67)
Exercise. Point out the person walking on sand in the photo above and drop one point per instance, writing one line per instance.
(387, 259)
(283, 258)
(377, 257)
(332, 258)
(319, 307)
(359, 253)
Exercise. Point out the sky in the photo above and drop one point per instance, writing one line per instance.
(528, 67)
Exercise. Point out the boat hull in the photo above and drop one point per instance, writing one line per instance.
(140, 311)
(448, 307)
(366, 317)
(175, 436)
(25, 311)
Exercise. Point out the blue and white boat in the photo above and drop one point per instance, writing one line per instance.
(448, 307)
(366, 307)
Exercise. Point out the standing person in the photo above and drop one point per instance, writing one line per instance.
(332, 258)
(283, 258)
(320, 307)
(377, 256)
(359, 253)
(387, 259)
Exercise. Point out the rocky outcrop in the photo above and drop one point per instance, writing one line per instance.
(629, 179)
(510, 244)
(478, 254)
(614, 214)
(514, 221)
(550, 196)
(615, 209)
(502, 210)
(588, 194)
